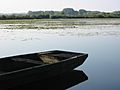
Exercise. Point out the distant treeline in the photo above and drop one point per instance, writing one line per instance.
(65, 13)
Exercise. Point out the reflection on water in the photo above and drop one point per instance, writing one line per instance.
(59, 82)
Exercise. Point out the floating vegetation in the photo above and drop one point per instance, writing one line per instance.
(25, 30)
(58, 23)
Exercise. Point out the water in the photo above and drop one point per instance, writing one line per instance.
(102, 43)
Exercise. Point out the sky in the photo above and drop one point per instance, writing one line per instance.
(21, 6)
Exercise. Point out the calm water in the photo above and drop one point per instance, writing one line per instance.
(102, 43)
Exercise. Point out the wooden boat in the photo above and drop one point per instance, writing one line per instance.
(22, 69)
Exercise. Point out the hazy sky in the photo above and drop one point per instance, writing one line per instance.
(12, 6)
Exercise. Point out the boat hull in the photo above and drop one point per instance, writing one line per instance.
(27, 75)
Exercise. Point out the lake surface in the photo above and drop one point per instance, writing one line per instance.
(100, 38)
